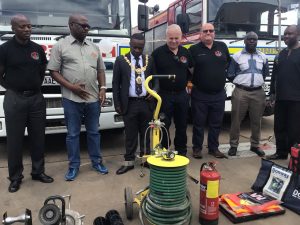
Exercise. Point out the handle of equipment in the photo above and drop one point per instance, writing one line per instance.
(153, 93)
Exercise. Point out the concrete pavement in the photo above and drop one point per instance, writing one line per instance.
(94, 194)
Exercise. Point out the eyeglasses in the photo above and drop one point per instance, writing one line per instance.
(206, 31)
(83, 26)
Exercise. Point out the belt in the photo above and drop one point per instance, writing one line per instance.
(27, 93)
(137, 98)
(209, 92)
(245, 88)
(173, 92)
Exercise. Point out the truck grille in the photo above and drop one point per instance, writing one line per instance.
(53, 103)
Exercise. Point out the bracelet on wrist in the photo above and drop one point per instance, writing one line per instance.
(103, 87)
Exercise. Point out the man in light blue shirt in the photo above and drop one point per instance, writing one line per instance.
(248, 70)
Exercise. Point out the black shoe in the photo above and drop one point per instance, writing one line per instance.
(232, 151)
(14, 186)
(197, 154)
(258, 151)
(124, 169)
(217, 154)
(42, 178)
(276, 156)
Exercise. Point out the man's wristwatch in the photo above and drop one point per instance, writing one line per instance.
(103, 87)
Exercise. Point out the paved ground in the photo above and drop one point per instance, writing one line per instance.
(94, 194)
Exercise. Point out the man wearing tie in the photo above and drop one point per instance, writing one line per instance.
(131, 99)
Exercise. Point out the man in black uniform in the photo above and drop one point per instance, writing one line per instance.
(172, 58)
(22, 69)
(285, 85)
(131, 99)
(211, 60)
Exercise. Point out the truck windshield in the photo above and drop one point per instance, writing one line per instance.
(110, 17)
(233, 18)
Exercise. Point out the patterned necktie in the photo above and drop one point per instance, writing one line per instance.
(138, 78)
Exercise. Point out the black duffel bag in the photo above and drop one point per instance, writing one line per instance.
(289, 187)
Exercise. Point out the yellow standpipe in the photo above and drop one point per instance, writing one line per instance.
(155, 130)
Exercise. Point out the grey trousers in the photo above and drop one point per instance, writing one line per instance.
(243, 101)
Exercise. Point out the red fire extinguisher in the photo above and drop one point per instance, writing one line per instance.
(209, 194)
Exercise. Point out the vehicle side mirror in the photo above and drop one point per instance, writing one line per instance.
(183, 21)
(143, 17)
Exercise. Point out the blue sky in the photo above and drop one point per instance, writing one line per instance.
(134, 6)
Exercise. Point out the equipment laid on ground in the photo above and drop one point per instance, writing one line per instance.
(25, 218)
(280, 183)
(246, 206)
(166, 199)
(112, 217)
(51, 214)
(209, 194)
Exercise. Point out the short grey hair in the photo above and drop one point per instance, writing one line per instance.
(173, 27)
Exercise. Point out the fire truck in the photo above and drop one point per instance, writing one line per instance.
(232, 19)
(110, 29)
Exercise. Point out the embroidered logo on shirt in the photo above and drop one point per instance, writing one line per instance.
(35, 55)
(183, 59)
(218, 53)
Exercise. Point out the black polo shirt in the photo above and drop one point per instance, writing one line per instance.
(23, 65)
(166, 62)
(210, 66)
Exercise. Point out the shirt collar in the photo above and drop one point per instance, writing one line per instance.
(132, 56)
(19, 44)
(73, 40)
(245, 52)
(204, 46)
(169, 51)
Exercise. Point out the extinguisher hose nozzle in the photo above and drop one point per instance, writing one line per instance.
(193, 179)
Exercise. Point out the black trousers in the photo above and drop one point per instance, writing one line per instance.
(175, 106)
(286, 125)
(136, 121)
(21, 112)
(207, 108)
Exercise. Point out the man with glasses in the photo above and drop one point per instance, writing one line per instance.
(172, 58)
(76, 64)
(211, 59)
(248, 70)
(22, 71)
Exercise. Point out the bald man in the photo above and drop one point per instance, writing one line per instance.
(208, 96)
(22, 70)
(248, 70)
(77, 65)
(172, 58)
(285, 89)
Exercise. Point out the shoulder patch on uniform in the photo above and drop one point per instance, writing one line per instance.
(35, 55)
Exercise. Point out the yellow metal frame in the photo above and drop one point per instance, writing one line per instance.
(156, 133)
(138, 199)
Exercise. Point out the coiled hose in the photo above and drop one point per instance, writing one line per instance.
(167, 201)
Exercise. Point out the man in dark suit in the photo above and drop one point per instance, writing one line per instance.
(131, 99)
